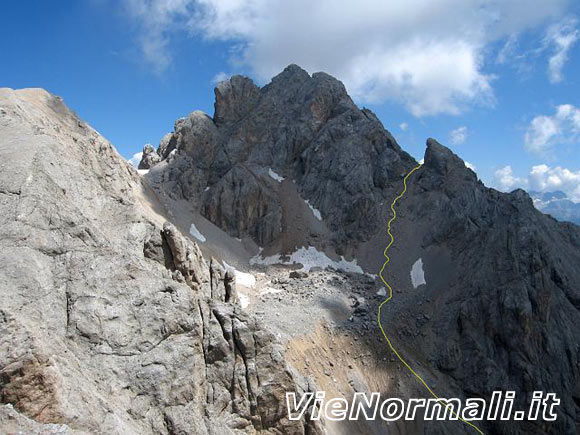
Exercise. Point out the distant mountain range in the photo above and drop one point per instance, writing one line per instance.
(557, 204)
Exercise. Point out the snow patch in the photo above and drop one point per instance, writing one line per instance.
(309, 258)
(206, 189)
(195, 233)
(245, 279)
(417, 274)
(266, 261)
(382, 292)
(275, 176)
(171, 156)
(143, 171)
(242, 278)
(244, 300)
(315, 211)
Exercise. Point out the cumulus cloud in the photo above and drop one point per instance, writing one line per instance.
(560, 38)
(458, 136)
(428, 55)
(544, 131)
(470, 166)
(546, 179)
(504, 179)
(541, 178)
(403, 126)
(156, 20)
(220, 77)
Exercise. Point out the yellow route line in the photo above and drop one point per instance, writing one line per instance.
(391, 296)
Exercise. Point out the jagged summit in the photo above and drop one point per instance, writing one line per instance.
(441, 166)
(234, 98)
(334, 156)
(238, 95)
(292, 73)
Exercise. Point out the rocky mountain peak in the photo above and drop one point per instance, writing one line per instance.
(292, 73)
(303, 128)
(444, 169)
(520, 195)
(440, 158)
(234, 98)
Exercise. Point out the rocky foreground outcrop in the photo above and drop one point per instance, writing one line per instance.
(110, 321)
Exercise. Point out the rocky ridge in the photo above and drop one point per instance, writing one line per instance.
(111, 321)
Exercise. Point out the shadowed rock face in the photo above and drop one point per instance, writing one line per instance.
(110, 321)
(501, 310)
(305, 128)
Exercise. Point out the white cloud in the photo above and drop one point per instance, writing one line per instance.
(544, 132)
(560, 37)
(428, 55)
(458, 136)
(220, 77)
(403, 126)
(470, 166)
(156, 20)
(135, 159)
(505, 179)
(547, 179)
(542, 178)
(509, 50)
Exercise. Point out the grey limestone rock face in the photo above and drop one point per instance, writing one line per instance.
(150, 157)
(12, 422)
(110, 321)
(234, 99)
(305, 128)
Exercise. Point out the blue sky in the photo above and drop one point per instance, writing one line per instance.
(496, 81)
